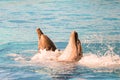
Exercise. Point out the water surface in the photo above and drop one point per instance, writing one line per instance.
(97, 23)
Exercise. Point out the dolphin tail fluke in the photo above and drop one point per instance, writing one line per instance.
(39, 32)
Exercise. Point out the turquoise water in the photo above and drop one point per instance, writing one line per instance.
(96, 21)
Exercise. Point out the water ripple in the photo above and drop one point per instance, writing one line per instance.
(110, 19)
(19, 21)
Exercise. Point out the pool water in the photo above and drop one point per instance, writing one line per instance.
(97, 23)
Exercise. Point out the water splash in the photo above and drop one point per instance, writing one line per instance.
(16, 57)
(95, 61)
(108, 60)
(45, 56)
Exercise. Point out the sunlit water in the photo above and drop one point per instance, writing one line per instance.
(96, 21)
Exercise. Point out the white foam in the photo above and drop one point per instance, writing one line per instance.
(45, 56)
(95, 61)
(13, 55)
(108, 60)
(16, 57)
(90, 60)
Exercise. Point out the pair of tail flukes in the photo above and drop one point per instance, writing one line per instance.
(73, 51)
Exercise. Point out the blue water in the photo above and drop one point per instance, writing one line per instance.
(96, 21)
